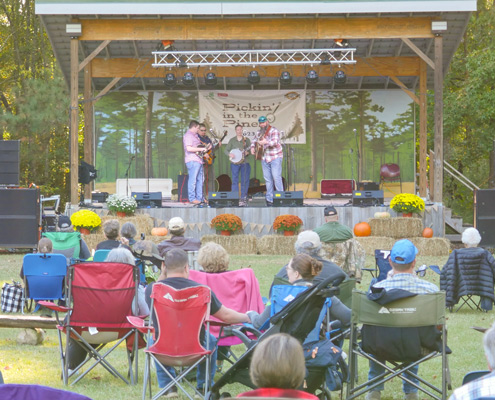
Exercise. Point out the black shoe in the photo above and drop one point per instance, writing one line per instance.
(269, 204)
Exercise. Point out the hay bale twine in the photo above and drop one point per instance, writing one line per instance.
(432, 246)
(398, 228)
(235, 244)
(277, 244)
(372, 243)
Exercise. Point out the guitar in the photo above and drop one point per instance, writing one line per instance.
(210, 152)
(259, 150)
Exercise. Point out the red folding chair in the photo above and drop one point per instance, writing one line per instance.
(101, 295)
(180, 315)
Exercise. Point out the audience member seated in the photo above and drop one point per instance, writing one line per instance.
(301, 271)
(213, 258)
(176, 228)
(341, 246)
(469, 271)
(44, 246)
(483, 387)
(402, 260)
(111, 232)
(175, 273)
(278, 369)
(68, 242)
(129, 231)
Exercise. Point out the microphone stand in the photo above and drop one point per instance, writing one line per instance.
(357, 153)
(127, 177)
(294, 171)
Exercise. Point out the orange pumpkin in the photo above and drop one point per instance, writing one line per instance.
(427, 233)
(159, 232)
(362, 229)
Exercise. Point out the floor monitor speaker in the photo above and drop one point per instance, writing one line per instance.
(367, 197)
(223, 199)
(148, 199)
(288, 199)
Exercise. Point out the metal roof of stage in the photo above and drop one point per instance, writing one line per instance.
(390, 38)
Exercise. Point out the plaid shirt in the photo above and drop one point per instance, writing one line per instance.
(482, 387)
(407, 282)
(273, 149)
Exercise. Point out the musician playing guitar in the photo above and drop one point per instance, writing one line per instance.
(271, 159)
(209, 158)
(238, 149)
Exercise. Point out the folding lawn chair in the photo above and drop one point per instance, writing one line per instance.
(382, 266)
(102, 295)
(101, 255)
(44, 277)
(186, 310)
(404, 313)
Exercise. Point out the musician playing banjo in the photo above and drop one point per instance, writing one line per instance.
(238, 149)
(268, 149)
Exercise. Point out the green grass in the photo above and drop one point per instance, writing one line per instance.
(41, 365)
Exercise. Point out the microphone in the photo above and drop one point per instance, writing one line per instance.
(354, 130)
(211, 130)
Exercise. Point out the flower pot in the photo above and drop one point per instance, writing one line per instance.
(408, 215)
(121, 214)
(289, 233)
(84, 231)
(225, 233)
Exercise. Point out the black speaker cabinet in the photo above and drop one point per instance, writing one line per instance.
(9, 162)
(367, 197)
(148, 199)
(368, 186)
(182, 181)
(223, 199)
(19, 217)
(288, 199)
(484, 200)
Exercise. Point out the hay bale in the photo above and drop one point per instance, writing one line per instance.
(398, 228)
(372, 243)
(235, 244)
(432, 246)
(277, 244)
(144, 223)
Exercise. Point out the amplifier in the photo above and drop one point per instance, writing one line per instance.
(368, 185)
(99, 197)
(367, 197)
(337, 187)
(223, 199)
(148, 199)
(288, 199)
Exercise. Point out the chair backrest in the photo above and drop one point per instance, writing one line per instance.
(66, 243)
(102, 293)
(389, 172)
(45, 275)
(282, 295)
(185, 308)
(345, 293)
(37, 392)
(101, 255)
(473, 375)
(381, 259)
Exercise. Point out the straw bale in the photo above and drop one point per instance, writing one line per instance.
(432, 246)
(397, 228)
(372, 243)
(93, 239)
(277, 244)
(144, 223)
(235, 244)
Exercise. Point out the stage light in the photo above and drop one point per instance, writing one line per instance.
(188, 79)
(340, 77)
(312, 76)
(253, 77)
(170, 80)
(285, 78)
(341, 42)
(211, 79)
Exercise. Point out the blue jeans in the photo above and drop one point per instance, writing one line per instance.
(164, 379)
(195, 180)
(272, 173)
(376, 369)
(245, 171)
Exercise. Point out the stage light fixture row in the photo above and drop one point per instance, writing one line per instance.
(285, 78)
(170, 80)
(254, 77)
(312, 76)
(210, 79)
(188, 79)
(340, 77)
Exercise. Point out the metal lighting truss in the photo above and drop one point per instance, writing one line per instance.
(253, 58)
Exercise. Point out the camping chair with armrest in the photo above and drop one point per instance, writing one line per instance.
(62, 241)
(382, 266)
(102, 296)
(101, 255)
(473, 375)
(187, 310)
(404, 313)
(44, 277)
(390, 173)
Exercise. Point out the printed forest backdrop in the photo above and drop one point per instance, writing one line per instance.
(376, 125)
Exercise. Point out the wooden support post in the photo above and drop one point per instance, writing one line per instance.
(88, 126)
(74, 121)
(438, 117)
(147, 138)
(423, 117)
(432, 174)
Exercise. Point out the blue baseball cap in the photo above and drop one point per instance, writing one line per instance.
(403, 252)
(262, 119)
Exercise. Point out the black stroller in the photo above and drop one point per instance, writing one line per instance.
(297, 318)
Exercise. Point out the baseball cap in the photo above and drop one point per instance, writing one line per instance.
(64, 221)
(308, 240)
(329, 211)
(262, 119)
(176, 223)
(403, 252)
(146, 249)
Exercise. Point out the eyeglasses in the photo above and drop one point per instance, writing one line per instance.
(203, 130)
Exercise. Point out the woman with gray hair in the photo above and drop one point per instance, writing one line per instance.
(129, 231)
(111, 232)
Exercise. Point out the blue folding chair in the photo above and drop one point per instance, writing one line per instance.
(101, 255)
(44, 277)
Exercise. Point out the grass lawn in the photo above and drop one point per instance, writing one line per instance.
(41, 364)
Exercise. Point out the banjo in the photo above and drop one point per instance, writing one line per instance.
(238, 155)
